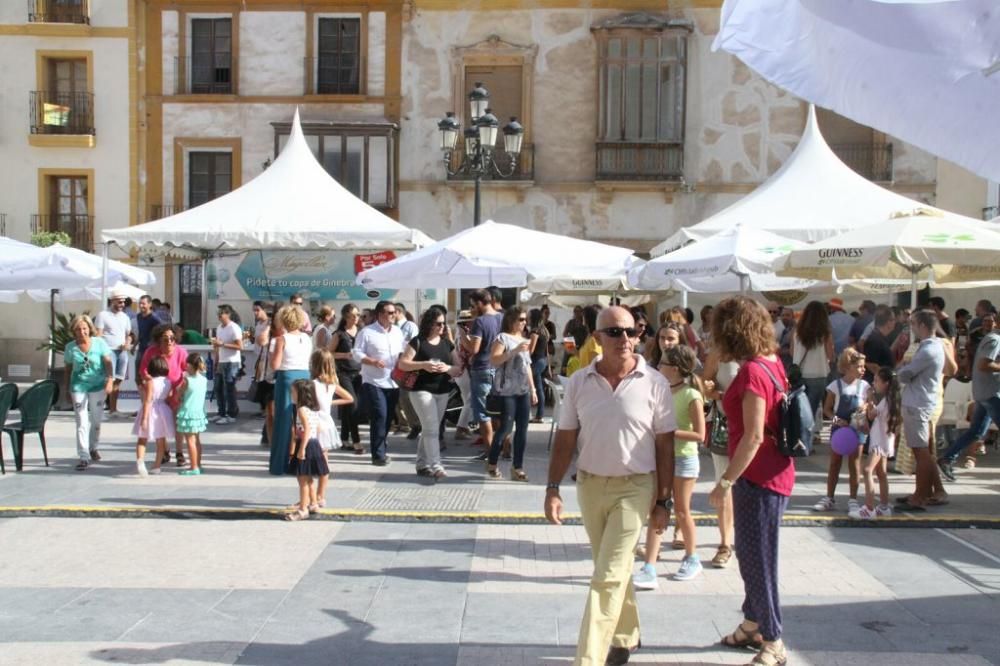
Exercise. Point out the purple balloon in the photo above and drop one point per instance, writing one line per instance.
(844, 441)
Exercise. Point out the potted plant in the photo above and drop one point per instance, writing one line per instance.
(60, 335)
(47, 238)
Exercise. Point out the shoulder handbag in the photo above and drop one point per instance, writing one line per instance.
(718, 437)
(406, 380)
(794, 373)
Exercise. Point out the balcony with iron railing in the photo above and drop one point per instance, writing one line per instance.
(160, 211)
(54, 112)
(205, 76)
(623, 160)
(524, 169)
(59, 11)
(79, 228)
(873, 161)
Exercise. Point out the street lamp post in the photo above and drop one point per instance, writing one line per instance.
(479, 157)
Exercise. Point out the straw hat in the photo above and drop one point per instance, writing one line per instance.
(465, 315)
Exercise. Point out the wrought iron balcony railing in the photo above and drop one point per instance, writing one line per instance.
(204, 76)
(59, 11)
(53, 112)
(622, 160)
(873, 161)
(80, 228)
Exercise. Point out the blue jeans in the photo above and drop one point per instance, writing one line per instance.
(225, 389)
(538, 368)
(985, 413)
(481, 384)
(381, 404)
(514, 416)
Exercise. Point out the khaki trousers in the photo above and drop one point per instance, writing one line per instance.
(614, 509)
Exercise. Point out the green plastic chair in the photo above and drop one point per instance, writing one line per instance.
(34, 405)
(8, 396)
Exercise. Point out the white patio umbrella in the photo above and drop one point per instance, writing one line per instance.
(926, 71)
(737, 259)
(919, 245)
(504, 255)
(27, 268)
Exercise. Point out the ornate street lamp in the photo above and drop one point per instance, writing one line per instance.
(480, 149)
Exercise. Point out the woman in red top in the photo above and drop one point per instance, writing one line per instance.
(759, 476)
(165, 345)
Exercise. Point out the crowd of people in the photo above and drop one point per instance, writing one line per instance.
(916, 389)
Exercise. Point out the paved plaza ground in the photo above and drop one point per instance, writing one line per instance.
(400, 570)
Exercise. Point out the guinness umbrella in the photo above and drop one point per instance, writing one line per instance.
(918, 245)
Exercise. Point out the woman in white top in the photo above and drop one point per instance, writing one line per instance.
(322, 335)
(812, 349)
(717, 377)
(290, 361)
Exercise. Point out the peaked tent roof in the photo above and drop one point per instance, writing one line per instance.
(294, 204)
(811, 197)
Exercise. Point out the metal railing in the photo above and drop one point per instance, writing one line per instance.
(160, 211)
(330, 83)
(204, 76)
(619, 160)
(873, 161)
(54, 112)
(59, 11)
(80, 228)
(524, 170)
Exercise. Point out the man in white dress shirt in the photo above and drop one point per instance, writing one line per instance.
(377, 348)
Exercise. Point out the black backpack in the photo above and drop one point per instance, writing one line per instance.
(795, 420)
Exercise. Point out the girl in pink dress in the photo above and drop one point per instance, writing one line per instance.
(155, 420)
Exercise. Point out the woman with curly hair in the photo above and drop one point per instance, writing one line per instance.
(759, 477)
(812, 349)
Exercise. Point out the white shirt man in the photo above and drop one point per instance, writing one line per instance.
(115, 327)
(619, 413)
(376, 348)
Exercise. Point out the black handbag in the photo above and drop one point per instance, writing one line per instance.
(718, 438)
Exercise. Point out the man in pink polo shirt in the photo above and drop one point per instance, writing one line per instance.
(619, 412)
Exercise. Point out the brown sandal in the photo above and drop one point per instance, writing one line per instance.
(517, 474)
(771, 654)
(741, 638)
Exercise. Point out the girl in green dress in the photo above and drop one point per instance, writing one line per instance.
(191, 419)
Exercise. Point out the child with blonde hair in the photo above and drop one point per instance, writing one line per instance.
(329, 394)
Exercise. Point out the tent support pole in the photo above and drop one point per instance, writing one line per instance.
(52, 324)
(684, 298)
(104, 275)
(913, 292)
(204, 293)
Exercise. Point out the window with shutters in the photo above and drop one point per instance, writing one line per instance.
(338, 56)
(67, 206)
(211, 61)
(210, 175)
(642, 62)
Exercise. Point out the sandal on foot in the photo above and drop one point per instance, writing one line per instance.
(741, 638)
(772, 654)
(518, 475)
(494, 473)
(300, 514)
(313, 508)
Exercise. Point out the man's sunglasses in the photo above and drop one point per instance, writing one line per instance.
(618, 331)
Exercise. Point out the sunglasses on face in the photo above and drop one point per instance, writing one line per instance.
(618, 331)
(439, 323)
(168, 338)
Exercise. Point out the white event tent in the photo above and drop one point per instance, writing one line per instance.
(294, 204)
(811, 197)
(504, 255)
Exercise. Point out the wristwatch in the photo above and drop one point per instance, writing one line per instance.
(552, 486)
(725, 483)
(665, 503)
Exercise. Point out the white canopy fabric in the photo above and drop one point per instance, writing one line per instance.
(27, 268)
(504, 255)
(293, 204)
(737, 259)
(920, 245)
(926, 71)
(811, 197)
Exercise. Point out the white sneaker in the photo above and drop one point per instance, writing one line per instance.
(645, 578)
(155, 470)
(229, 420)
(852, 506)
(824, 504)
(140, 468)
(862, 513)
(219, 420)
(883, 511)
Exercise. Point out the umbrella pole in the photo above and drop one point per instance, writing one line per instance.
(204, 293)
(104, 275)
(684, 298)
(52, 328)
(913, 292)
